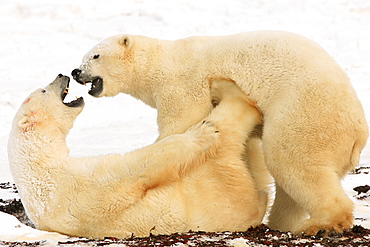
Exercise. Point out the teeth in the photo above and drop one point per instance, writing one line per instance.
(73, 92)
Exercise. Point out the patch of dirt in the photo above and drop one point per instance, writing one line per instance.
(8, 186)
(15, 207)
(361, 170)
(258, 236)
(363, 192)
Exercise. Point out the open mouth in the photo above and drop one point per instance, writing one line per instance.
(79, 101)
(96, 86)
(96, 81)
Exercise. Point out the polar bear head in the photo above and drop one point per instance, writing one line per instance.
(108, 65)
(44, 110)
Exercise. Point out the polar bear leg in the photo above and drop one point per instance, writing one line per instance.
(329, 207)
(256, 165)
(316, 189)
(237, 116)
(175, 118)
(235, 108)
(285, 214)
(173, 157)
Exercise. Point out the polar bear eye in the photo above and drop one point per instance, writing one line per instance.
(44, 91)
(96, 56)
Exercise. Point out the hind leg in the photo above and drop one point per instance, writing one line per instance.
(308, 169)
(312, 188)
(330, 210)
(256, 165)
(285, 214)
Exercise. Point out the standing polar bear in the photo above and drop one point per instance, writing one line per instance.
(314, 125)
(160, 189)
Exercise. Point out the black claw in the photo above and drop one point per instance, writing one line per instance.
(320, 234)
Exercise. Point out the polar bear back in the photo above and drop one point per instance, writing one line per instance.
(270, 62)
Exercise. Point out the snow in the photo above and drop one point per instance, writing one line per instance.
(12, 230)
(40, 39)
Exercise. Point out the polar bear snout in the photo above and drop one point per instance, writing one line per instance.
(83, 78)
(61, 87)
(76, 74)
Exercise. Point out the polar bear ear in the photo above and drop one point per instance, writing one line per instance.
(27, 121)
(25, 124)
(125, 41)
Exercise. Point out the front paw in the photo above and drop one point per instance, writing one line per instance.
(205, 132)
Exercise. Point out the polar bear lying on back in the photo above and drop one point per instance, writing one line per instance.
(314, 125)
(193, 181)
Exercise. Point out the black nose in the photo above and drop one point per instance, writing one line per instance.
(76, 73)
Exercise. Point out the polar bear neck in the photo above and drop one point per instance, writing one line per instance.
(44, 148)
(33, 156)
(153, 85)
(35, 152)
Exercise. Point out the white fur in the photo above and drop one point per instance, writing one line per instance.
(314, 125)
(191, 181)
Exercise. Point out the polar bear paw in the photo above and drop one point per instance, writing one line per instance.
(312, 227)
(205, 132)
(221, 88)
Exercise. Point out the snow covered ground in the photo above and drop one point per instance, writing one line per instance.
(40, 39)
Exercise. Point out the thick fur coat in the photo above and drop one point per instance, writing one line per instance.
(191, 181)
(314, 125)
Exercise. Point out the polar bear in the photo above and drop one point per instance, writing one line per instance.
(314, 125)
(160, 189)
